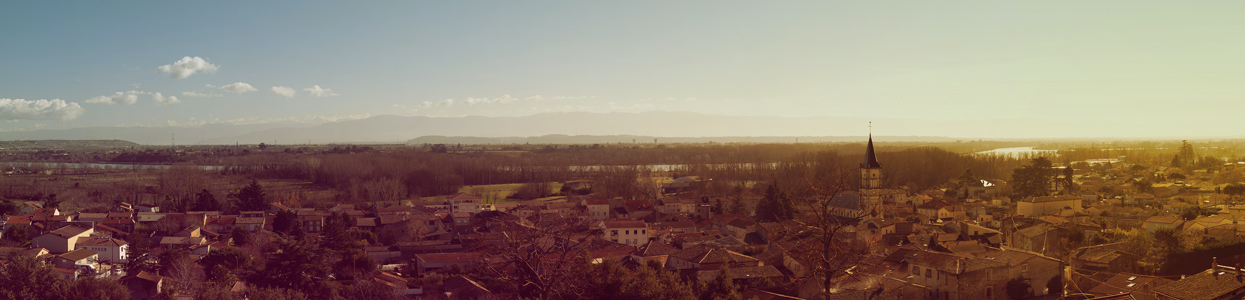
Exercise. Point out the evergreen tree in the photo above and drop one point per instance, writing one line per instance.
(285, 221)
(1033, 179)
(300, 266)
(205, 201)
(251, 197)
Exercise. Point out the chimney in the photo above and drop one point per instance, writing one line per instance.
(1238, 270)
(1214, 262)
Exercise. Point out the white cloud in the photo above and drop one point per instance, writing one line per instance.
(125, 98)
(237, 87)
(284, 91)
(187, 66)
(42, 109)
(503, 99)
(446, 102)
(162, 100)
(319, 92)
(201, 95)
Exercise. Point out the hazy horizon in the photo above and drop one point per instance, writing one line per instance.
(1042, 70)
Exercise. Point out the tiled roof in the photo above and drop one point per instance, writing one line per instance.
(742, 273)
(78, 254)
(17, 220)
(69, 231)
(1206, 285)
(450, 257)
(462, 196)
(101, 242)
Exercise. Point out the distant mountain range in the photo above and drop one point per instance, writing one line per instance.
(572, 127)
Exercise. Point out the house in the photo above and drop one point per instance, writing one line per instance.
(250, 223)
(144, 285)
(464, 202)
(930, 209)
(598, 209)
(76, 258)
(1128, 284)
(1163, 222)
(632, 233)
(1037, 206)
(980, 275)
(1219, 282)
(710, 258)
(110, 250)
(1104, 258)
(438, 261)
(459, 287)
(401, 286)
(745, 276)
(1039, 238)
(62, 240)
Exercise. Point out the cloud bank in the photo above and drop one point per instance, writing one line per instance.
(42, 109)
(319, 92)
(198, 94)
(237, 87)
(284, 91)
(162, 100)
(122, 98)
(187, 66)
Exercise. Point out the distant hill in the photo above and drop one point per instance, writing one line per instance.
(577, 127)
(65, 144)
(628, 139)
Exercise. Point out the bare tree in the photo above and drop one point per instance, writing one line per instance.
(822, 239)
(543, 262)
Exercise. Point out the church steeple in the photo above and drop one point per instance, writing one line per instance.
(871, 160)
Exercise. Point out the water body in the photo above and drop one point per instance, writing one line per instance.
(1019, 152)
(106, 166)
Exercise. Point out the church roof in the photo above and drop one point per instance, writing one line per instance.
(871, 160)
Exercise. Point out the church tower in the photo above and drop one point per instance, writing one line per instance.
(870, 170)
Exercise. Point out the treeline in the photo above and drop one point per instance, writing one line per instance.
(397, 174)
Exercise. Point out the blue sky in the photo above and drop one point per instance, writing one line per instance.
(1147, 64)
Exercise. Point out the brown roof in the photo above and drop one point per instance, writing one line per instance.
(92, 215)
(70, 231)
(102, 242)
(78, 254)
(365, 222)
(742, 273)
(250, 220)
(463, 196)
(149, 276)
(1124, 283)
(450, 257)
(17, 220)
(1206, 285)
(596, 202)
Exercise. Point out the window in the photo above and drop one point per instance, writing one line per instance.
(613, 232)
(989, 276)
(1024, 268)
(928, 274)
(626, 231)
(989, 293)
(644, 231)
(916, 270)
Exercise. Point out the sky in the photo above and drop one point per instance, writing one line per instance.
(1138, 67)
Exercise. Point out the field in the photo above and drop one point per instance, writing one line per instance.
(497, 193)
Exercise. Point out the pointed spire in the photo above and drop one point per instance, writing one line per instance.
(871, 160)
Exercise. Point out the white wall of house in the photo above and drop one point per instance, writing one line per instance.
(109, 254)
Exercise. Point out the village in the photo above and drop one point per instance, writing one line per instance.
(1109, 230)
